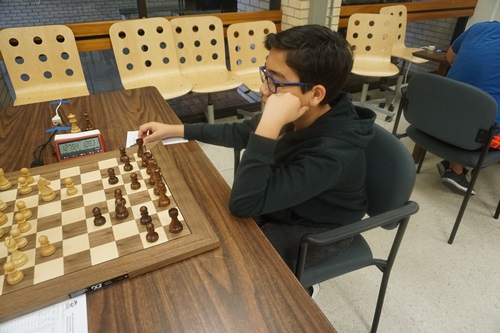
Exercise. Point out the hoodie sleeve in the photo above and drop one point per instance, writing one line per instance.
(232, 135)
(259, 189)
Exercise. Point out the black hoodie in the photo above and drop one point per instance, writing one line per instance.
(314, 177)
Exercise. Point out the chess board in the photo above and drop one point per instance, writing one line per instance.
(89, 257)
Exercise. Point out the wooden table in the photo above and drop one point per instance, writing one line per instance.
(438, 57)
(242, 286)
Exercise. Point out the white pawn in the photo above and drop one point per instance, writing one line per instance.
(70, 187)
(3, 218)
(13, 274)
(21, 208)
(25, 188)
(26, 174)
(17, 257)
(3, 205)
(22, 224)
(46, 249)
(5, 184)
(20, 239)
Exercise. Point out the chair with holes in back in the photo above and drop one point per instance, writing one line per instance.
(43, 63)
(399, 48)
(145, 55)
(202, 56)
(371, 38)
(247, 52)
(390, 179)
(454, 121)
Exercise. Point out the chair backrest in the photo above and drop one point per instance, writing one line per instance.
(399, 13)
(246, 49)
(144, 50)
(448, 110)
(199, 42)
(43, 63)
(390, 173)
(370, 37)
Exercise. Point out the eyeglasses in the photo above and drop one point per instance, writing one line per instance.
(273, 85)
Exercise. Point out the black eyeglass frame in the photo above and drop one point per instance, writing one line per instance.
(264, 76)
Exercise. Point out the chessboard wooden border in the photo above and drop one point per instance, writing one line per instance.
(201, 239)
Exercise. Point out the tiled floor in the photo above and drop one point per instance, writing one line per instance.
(434, 286)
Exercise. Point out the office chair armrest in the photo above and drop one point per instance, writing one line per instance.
(398, 215)
(356, 228)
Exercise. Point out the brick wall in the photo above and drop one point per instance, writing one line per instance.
(15, 13)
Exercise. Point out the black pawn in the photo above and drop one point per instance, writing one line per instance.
(98, 218)
(121, 211)
(145, 218)
(127, 166)
(123, 153)
(135, 185)
(112, 180)
(175, 225)
(152, 235)
(163, 201)
(140, 149)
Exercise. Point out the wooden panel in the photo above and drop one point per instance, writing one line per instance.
(417, 11)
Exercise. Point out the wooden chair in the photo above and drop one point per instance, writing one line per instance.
(247, 52)
(43, 63)
(399, 48)
(371, 39)
(202, 56)
(145, 55)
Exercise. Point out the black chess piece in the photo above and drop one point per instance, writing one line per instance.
(145, 218)
(134, 184)
(127, 166)
(152, 235)
(140, 149)
(123, 153)
(175, 225)
(98, 218)
(163, 201)
(88, 123)
(119, 196)
(112, 180)
(121, 211)
(145, 159)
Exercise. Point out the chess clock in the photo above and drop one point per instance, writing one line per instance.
(73, 145)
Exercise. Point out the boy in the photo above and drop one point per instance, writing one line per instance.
(303, 170)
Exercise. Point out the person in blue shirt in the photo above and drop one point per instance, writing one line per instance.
(475, 59)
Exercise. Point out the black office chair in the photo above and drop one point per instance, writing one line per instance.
(390, 178)
(452, 120)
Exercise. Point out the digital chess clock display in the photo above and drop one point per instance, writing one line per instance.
(77, 147)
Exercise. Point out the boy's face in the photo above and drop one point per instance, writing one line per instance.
(277, 68)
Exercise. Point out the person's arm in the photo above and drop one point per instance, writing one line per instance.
(450, 55)
(154, 131)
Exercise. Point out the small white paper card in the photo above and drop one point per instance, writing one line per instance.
(133, 135)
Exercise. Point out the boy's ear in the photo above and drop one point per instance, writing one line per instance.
(318, 93)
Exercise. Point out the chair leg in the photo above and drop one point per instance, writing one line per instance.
(210, 109)
(460, 215)
(380, 301)
(497, 212)
(421, 158)
(461, 212)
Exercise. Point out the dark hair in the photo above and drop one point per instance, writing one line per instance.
(316, 54)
